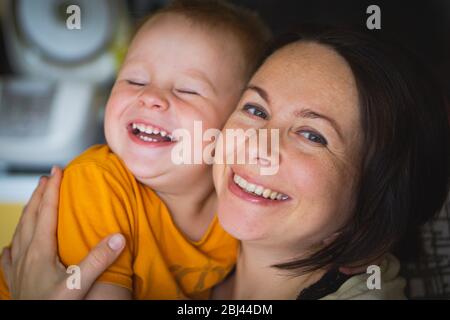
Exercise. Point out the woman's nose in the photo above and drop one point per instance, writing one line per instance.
(257, 157)
(153, 98)
(265, 153)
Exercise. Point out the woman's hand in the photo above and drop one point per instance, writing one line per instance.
(31, 266)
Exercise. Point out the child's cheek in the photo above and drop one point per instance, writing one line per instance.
(115, 109)
(118, 103)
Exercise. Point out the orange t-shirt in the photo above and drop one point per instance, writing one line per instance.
(100, 196)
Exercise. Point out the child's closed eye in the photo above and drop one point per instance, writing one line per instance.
(187, 91)
(136, 83)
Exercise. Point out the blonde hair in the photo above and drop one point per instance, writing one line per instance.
(248, 28)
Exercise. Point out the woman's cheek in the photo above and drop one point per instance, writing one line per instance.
(321, 191)
(306, 174)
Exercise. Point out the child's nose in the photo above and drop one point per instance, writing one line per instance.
(153, 98)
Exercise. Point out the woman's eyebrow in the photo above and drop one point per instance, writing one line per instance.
(260, 91)
(310, 114)
(304, 113)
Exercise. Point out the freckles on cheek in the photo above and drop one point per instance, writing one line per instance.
(326, 187)
(317, 183)
(307, 176)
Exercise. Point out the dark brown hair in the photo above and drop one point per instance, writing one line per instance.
(405, 170)
(248, 28)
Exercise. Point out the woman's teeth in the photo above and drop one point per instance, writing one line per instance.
(258, 190)
(140, 129)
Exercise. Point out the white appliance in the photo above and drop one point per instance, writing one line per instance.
(49, 110)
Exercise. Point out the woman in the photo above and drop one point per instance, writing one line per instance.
(364, 158)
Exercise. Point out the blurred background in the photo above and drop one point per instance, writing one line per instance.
(54, 83)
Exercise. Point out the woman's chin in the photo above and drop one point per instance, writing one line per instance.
(241, 224)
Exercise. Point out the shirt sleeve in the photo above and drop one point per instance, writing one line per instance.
(94, 203)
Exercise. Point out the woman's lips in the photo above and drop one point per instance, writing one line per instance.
(254, 193)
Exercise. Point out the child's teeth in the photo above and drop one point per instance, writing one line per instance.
(150, 130)
(258, 190)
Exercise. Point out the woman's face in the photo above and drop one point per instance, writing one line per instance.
(307, 91)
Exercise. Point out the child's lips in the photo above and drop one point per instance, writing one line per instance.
(149, 135)
(149, 129)
(149, 140)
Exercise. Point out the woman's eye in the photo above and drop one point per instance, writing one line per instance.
(135, 83)
(187, 91)
(256, 111)
(314, 137)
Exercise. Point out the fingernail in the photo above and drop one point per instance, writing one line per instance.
(53, 170)
(116, 242)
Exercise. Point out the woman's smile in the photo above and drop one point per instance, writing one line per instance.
(246, 188)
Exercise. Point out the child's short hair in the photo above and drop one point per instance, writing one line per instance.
(253, 35)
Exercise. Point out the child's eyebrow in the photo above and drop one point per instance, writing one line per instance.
(199, 75)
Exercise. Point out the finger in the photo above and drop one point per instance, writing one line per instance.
(25, 227)
(29, 214)
(32, 206)
(99, 259)
(6, 264)
(47, 218)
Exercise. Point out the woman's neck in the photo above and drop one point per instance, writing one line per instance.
(254, 278)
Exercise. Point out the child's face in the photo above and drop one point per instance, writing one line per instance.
(175, 73)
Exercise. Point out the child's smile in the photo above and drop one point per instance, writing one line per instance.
(149, 134)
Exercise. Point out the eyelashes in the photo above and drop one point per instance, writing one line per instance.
(310, 135)
(255, 111)
(181, 91)
(187, 91)
(313, 137)
(135, 83)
